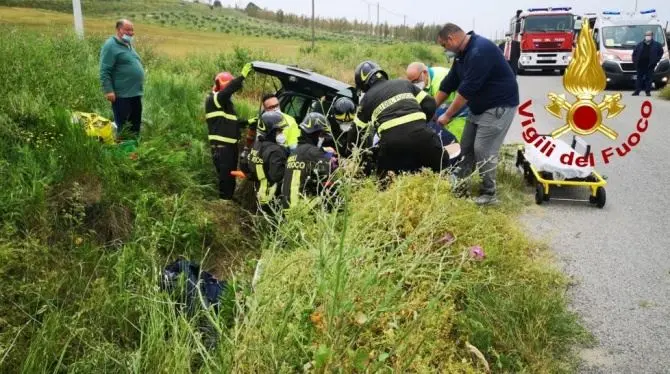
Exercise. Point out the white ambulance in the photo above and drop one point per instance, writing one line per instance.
(617, 34)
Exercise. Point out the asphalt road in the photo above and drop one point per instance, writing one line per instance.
(618, 256)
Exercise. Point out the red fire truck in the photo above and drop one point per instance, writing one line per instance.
(540, 38)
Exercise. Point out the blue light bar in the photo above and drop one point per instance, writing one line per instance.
(611, 13)
(538, 9)
(648, 11)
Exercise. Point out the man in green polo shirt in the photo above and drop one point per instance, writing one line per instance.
(122, 77)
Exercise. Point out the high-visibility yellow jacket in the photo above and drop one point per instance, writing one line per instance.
(437, 74)
(292, 131)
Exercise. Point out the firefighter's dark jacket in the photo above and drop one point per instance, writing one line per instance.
(392, 103)
(267, 164)
(306, 169)
(222, 121)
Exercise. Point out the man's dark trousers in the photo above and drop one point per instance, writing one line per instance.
(643, 79)
(225, 160)
(128, 109)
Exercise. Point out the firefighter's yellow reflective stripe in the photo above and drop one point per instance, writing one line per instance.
(221, 113)
(295, 187)
(380, 108)
(264, 194)
(402, 120)
(420, 96)
(216, 100)
(360, 123)
(222, 139)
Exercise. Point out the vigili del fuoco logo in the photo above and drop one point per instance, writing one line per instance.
(585, 79)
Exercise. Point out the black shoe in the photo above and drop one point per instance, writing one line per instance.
(648, 93)
(636, 93)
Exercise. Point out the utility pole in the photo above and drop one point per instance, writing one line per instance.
(78, 19)
(635, 6)
(312, 25)
(473, 23)
(378, 19)
(404, 20)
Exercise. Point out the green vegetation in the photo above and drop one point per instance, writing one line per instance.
(665, 93)
(200, 17)
(386, 284)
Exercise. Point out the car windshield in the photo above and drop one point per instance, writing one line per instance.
(627, 37)
(548, 23)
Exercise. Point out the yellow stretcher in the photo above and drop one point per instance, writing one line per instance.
(541, 172)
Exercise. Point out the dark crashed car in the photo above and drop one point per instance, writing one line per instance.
(302, 91)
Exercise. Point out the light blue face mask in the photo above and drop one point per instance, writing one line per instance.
(450, 54)
(127, 38)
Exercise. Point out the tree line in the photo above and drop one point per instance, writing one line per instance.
(420, 32)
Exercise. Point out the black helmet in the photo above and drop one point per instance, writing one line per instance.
(270, 122)
(313, 122)
(343, 110)
(365, 71)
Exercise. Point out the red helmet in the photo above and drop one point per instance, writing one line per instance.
(221, 80)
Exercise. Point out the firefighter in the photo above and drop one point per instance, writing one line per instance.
(310, 166)
(341, 119)
(267, 159)
(397, 110)
(225, 127)
(292, 132)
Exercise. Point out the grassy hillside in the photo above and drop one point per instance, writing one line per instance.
(191, 16)
(390, 283)
(332, 58)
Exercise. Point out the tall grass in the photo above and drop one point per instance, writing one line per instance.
(85, 231)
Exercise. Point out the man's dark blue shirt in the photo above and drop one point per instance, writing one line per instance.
(481, 75)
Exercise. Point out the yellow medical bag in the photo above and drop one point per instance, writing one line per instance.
(96, 126)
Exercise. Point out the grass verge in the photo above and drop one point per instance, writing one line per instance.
(665, 93)
(386, 284)
(391, 284)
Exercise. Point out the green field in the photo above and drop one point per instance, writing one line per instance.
(85, 231)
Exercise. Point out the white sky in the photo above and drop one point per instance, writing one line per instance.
(463, 13)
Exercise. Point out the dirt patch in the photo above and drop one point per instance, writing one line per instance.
(596, 358)
(69, 203)
(112, 224)
(233, 243)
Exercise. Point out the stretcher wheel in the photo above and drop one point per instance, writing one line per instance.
(539, 193)
(601, 197)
